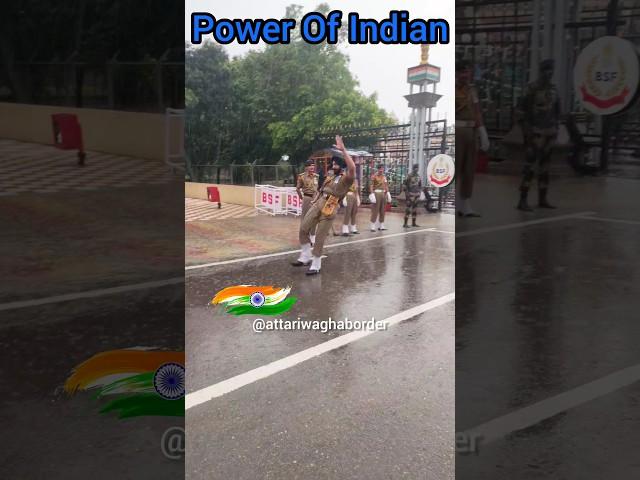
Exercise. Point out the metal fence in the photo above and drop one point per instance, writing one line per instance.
(150, 86)
(281, 175)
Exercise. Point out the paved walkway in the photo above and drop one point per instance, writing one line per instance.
(199, 210)
(34, 168)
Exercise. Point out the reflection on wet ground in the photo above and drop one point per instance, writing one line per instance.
(541, 310)
(376, 408)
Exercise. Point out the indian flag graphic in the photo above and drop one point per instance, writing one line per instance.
(138, 382)
(253, 299)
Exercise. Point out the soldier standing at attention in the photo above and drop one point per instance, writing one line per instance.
(380, 189)
(323, 210)
(412, 189)
(307, 188)
(351, 202)
(469, 129)
(540, 114)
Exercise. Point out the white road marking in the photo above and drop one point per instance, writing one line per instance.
(511, 226)
(217, 390)
(289, 252)
(533, 414)
(90, 294)
(611, 220)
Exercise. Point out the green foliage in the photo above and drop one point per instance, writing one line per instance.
(269, 102)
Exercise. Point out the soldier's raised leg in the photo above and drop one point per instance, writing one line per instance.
(322, 231)
(308, 225)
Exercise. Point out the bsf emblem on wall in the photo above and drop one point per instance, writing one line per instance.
(441, 170)
(606, 75)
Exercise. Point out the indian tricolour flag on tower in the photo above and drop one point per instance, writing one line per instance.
(254, 299)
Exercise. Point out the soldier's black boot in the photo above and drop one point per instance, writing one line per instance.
(414, 224)
(523, 205)
(406, 222)
(542, 199)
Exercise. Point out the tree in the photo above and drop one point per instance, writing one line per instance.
(208, 101)
(340, 108)
(275, 99)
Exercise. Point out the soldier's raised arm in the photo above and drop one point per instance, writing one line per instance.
(351, 166)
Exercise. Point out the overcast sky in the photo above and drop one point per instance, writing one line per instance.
(378, 68)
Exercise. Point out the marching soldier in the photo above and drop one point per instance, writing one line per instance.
(351, 202)
(379, 190)
(323, 211)
(469, 129)
(540, 114)
(413, 190)
(307, 187)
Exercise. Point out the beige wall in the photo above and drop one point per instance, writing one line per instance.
(132, 134)
(237, 194)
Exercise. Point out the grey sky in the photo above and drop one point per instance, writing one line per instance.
(378, 68)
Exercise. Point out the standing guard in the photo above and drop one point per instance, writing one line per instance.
(539, 116)
(379, 191)
(413, 190)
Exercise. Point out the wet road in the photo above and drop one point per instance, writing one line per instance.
(68, 243)
(380, 407)
(542, 310)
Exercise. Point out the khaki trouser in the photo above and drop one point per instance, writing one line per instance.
(377, 209)
(352, 209)
(306, 203)
(466, 160)
(314, 220)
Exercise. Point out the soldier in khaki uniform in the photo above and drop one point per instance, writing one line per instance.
(469, 129)
(323, 210)
(380, 188)
(351, 202)
(307, 188)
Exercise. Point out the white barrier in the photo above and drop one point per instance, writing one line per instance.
(293, 202)
(277, 200)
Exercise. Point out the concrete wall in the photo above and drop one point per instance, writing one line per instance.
(236, 194)
(131, 134)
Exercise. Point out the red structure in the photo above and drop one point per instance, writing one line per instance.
(213, 195)
(67, 134)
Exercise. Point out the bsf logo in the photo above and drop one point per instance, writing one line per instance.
(606, 75)
(441, 170)
(293, 200)
(270, 198)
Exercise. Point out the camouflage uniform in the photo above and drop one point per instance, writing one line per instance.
(413, 188)
(539, 110)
